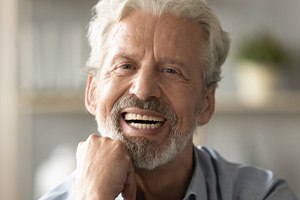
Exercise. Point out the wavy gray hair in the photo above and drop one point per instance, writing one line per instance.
(109, 12)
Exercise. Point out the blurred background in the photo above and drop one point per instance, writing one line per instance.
(42, 116)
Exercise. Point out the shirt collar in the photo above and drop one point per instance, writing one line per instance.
(197, 187)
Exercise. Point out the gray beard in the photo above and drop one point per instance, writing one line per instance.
(146, 154)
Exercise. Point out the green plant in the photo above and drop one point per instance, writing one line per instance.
(265, 49)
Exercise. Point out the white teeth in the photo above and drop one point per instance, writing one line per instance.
(145, 126)
(132, 116)
(157, 121)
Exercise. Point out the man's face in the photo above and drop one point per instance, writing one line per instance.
(149, 91)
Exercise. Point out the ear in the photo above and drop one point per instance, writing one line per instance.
(90, 95)
(208, 106)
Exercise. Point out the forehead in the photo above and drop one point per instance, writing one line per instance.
(165, 36)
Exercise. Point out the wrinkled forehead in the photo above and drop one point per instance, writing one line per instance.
(166, 34)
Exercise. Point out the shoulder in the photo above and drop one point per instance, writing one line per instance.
(237, 181)
(62, 191)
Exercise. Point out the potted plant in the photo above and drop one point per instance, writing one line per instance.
(260, 60)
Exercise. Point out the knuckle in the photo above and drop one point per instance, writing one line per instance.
(105, 139)
(93, 137)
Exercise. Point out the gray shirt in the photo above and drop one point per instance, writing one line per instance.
(213, 179)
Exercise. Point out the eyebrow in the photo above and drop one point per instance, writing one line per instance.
(123, 55)
(169, 60)
(161, 61)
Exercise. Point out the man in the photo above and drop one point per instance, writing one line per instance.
(154, 68)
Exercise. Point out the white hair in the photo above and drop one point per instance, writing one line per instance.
(109, 12)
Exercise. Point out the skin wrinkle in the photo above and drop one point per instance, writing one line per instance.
(175, 46)
(172, 60)
(117, 29)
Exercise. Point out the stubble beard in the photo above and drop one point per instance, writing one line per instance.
(146, 154)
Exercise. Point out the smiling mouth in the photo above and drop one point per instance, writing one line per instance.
(143, 122)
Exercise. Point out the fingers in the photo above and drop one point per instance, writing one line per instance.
(104, 169)
(82, 147)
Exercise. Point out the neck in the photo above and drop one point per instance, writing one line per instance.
(169, 181)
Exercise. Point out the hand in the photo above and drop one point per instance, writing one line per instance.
(104, 170)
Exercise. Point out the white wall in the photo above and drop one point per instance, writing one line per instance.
(8, 101)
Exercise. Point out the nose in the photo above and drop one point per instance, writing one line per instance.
(145, 85)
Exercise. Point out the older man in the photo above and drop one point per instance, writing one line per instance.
(154, 68)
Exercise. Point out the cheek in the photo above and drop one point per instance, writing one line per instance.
(109, 91)
(186, 105)
(186, 112)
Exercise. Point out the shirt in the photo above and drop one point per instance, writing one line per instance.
(213, 178)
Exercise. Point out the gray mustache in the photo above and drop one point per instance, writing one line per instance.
(155, 105)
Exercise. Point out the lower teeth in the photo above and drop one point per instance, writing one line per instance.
(145, 126)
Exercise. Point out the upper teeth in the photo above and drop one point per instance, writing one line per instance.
(132, 116)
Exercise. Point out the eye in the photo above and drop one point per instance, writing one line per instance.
(126, 66)
(170, 70)
(124, 69)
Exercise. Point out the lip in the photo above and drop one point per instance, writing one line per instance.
(135, 132)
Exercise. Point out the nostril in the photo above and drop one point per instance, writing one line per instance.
(145, 89)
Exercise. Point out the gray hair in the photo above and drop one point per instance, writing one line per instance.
(109, 12)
